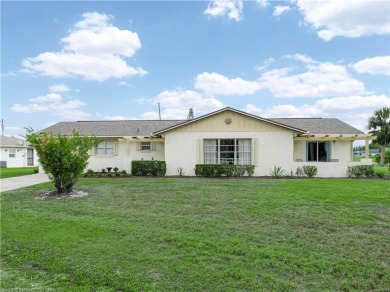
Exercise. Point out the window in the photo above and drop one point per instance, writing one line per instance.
(227, 151)
(105, 147)
(145, 146)
(12, 153)
(318, 151)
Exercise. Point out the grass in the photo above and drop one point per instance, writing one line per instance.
(17, 171)
(192, 234)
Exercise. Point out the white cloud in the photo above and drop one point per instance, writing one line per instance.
(377, 66)
(351, 103)
(51, 97)
(225, 8)
(217, 84)
(348, 18)
(252, 109)
(279, 10)
(59, 88)
(302, 58)
(92, 43)
(116, 118)
(52, 103)
(176, 103)
(95, 36)
(319, 80)
(262, 3)
(354, 110)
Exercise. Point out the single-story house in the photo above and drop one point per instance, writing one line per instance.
(224, 136)
(16, 152)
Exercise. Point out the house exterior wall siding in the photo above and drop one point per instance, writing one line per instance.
(20, 159)
(126, 152)
(273, 148)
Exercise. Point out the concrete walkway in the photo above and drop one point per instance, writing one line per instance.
(13, 183)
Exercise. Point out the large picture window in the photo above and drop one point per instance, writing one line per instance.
(227, 151)
(318, 151)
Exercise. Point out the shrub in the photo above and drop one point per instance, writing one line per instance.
(89, 173)
(310, 170)
(239, 170)
(62, 157)
(299, 171)
(387, 158)
(148, 167)
(360, 170)
(217, 170)
(250, 169)
(380, 173)
(277, 172)
(180, 171)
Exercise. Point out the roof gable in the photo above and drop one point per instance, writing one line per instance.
(229, 119)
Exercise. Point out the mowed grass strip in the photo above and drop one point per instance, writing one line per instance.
(17, 171)
(192, 234)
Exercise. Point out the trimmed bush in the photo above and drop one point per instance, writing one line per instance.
(62, 157)
(148, 167)
(217, 170)
(310, 170)
(380, 173)
(360, 170)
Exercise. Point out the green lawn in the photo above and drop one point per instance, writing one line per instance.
(193, 234)
(17, 171)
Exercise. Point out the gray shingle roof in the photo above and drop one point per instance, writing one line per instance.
(319, 125)
(147, 127)
(112, 128)
(11, 141)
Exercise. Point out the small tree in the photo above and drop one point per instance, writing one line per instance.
(190, 115)
(379, 124)
(62, 157)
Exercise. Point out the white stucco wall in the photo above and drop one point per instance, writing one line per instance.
(340, 150)
(20, 159)
(274, 148)
(126, 152)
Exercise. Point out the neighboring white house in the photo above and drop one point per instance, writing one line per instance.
(224, 136)
(16, 152)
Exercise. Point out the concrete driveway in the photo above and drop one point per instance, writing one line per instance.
(13, 183)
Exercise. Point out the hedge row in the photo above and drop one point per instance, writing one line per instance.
(360, 170)
(148, 167)
(216, 170)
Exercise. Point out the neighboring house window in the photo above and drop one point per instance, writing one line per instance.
(227, 151)
(12, 153)
(145, 146)
(318, 151)
(105, 147)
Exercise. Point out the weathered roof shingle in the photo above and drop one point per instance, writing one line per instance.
(112, 128)
(319, 125)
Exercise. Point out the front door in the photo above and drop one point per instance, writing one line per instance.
(30, 157)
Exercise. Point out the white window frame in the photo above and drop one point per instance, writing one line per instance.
(316, 153)
(214, 152)
(105, 148)
(146, 146)
(12, 153)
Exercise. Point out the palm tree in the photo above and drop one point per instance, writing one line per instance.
(379, 124)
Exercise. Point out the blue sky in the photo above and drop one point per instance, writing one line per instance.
(86, 60)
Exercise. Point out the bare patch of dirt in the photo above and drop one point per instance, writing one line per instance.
(54, 195)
